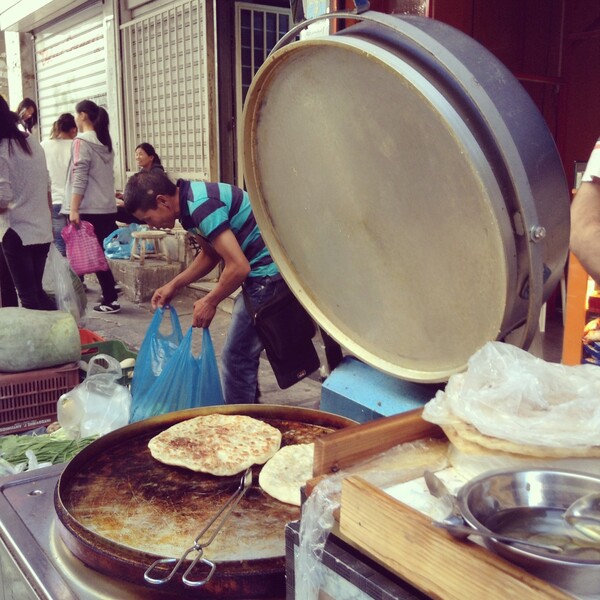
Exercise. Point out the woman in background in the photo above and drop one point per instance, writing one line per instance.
(28, 114)
(25, 224)
(58, 154)
(147, 158)
(89, 193)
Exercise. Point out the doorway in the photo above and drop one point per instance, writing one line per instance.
(247, 32)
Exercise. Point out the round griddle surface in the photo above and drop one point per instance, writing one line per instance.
(120, 509)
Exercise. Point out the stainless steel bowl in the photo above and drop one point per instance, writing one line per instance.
(491, 500)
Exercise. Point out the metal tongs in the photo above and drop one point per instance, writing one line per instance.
(218, 520)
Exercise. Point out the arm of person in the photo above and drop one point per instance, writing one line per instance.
(49, 193)
(585, 227)
(204, 263)
(80, 172)
(50, 208)
(74, 210)
(6, 195)
(236, 269)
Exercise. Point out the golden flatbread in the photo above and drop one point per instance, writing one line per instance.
(287, 471)
(217, 444)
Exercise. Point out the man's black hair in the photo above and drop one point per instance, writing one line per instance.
(143, 187)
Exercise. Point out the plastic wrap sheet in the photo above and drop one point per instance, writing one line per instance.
(397, 465)
(508, 393)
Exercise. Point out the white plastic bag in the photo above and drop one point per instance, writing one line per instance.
(63, 285)
(510, 394)
(99, 404)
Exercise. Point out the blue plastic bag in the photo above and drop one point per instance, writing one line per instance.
(118, 244)
(156, 350)
(186, 381)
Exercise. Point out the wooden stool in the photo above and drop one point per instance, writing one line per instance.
(138, 247)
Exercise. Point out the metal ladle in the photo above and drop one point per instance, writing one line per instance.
(463, 531)
(584, 515)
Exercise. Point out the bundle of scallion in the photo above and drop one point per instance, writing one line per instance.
(47, 447)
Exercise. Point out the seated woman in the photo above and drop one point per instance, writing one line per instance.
(147, 160)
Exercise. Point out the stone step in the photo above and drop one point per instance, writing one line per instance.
(139, 282)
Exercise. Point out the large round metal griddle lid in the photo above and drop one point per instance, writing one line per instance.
(409, 191)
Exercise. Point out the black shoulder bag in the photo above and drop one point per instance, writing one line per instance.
(286, 330)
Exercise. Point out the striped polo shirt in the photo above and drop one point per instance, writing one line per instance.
(208, 209)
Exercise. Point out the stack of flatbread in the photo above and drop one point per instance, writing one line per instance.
(510, 408)
(216, 444)
(468, 439)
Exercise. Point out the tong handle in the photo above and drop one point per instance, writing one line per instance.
(166, 561)
(225, 511)
(178, 562)
(198, 547)
(198, 582)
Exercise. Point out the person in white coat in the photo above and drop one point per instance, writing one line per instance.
(58, 154)
(25, 223)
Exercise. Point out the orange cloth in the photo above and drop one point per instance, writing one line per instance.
(89, 337)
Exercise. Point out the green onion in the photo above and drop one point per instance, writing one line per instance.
(48, 447)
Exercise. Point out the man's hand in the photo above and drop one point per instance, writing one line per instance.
(203, 314)
(163, 295)
(74, 217)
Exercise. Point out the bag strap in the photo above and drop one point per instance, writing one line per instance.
(248, 303)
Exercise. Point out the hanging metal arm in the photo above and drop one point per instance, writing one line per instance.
(361, 6)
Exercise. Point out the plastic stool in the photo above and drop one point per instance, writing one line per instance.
(140, 239)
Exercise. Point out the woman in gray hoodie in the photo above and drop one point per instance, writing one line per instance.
(90, 188)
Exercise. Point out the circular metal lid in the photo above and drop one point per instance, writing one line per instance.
(372, 184)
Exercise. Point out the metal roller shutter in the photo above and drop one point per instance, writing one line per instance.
(70, 57)
(168, 74)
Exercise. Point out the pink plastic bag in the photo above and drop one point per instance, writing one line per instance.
(83, 250)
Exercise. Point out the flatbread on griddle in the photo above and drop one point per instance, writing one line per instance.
(216, 444)
(287, 471)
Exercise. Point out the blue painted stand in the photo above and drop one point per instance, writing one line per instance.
(360, 392)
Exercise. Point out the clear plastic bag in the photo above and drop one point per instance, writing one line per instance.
(510, 394)
(63, 285)
(99, 404)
